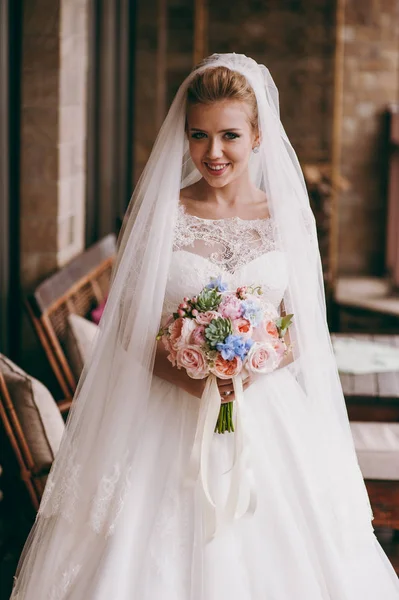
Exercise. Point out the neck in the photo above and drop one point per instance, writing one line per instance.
(238, 192)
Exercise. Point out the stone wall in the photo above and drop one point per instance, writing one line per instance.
(53, 133)
(371, 82)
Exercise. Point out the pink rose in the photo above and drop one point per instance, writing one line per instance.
(180, 332)
(242, 327)
(206, 317)
(168, 347)
(262, 358)
(226, 369)
(198, 336)
(193, 359)
(230, 307)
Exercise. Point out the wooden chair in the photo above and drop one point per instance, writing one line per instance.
(76, 288)
(33, 474)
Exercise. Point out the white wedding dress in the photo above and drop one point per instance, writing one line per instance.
(290, 549)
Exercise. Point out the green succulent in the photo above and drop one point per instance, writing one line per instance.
(208, 300)
(217, 331)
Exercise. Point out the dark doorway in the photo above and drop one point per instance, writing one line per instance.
(110, 115)
(10, 76)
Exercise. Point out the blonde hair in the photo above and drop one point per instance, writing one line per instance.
(220, 83)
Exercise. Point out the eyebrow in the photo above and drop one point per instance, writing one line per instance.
(221, 131)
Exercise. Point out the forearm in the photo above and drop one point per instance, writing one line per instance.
(289, 356)
(164, 369)
(287, 359)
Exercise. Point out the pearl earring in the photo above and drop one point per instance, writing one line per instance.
(255, 150)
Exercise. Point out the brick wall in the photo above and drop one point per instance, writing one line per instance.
(371, 81)
(295, 40)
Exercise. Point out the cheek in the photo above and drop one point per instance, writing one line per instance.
(196, 151)
(239, 152)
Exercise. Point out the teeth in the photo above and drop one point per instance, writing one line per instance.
(218, 168)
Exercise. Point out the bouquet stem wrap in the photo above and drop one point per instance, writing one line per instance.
(241, 490)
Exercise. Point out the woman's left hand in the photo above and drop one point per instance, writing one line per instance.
(226, 388)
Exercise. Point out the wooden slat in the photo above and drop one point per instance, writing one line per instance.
(77, 288)
(200, 30)
(65, 279)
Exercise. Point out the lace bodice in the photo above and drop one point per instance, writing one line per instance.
(228, 243)
(243, 252)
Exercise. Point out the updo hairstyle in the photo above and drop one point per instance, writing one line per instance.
(220, 83)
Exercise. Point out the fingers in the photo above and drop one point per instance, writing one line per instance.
(226, 399)
(230, 397)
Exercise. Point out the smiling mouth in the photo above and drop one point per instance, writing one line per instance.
(216, 169)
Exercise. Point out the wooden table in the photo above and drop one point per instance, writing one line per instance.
(371, 396)
(375, 397)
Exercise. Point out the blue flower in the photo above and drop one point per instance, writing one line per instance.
(234, 345)
(217, 283)
(253, 312)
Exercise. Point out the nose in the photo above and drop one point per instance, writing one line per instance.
(215, 149)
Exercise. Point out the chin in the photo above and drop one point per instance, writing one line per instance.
(218, 182)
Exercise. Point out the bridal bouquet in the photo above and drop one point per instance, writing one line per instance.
(225, 333)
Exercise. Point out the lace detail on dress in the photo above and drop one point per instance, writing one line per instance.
(59, 590)
(61, 493)
(108, 502)
(228, 243)
(171, 540)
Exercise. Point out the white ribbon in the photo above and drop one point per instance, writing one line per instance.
(241, 477)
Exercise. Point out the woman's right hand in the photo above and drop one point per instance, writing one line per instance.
(164, 369)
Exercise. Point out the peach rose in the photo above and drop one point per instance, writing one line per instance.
(226, 369)
(193, 359)
(242, 327)
(206, 317)
(271, 329)
(262, 358)
(198, 336)
(180, 332)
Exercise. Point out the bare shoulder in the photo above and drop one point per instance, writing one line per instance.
(189, 194)
(261, 206)
(190, 198)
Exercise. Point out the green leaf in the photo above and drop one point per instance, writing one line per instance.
(283, 323)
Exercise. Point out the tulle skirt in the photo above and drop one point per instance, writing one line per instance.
(293, 547)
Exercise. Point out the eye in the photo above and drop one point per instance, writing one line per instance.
(230, 135)
(198, 135)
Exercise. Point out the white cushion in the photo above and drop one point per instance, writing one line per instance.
(79, 342)
(377, 449)
(37, 412)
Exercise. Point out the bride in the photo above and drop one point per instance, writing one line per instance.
(144, 500)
